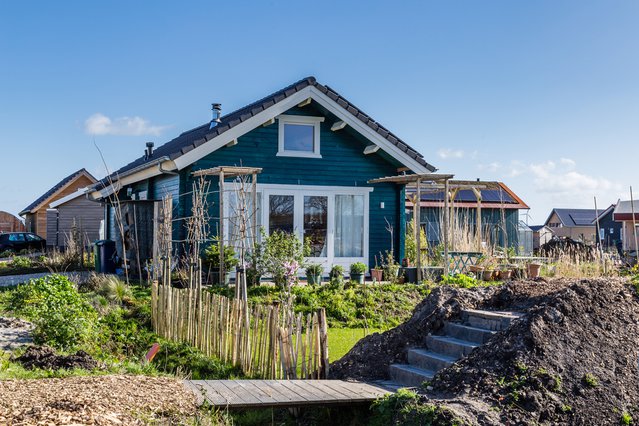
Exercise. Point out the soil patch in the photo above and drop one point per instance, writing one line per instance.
(98, 400)
(571, 359)
(45, 358)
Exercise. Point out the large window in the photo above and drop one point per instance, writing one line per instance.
(333, 221)
(316, 224)
(281, 213)
(349, 225)
(299, 136)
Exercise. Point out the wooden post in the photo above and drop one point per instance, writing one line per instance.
(478, 219)
(634, 226)
(323, 347)
(597, 231)
(418, 245)
(446, 218)
(221, 227)
(254, 209)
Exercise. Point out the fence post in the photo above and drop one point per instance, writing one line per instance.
(323, 330)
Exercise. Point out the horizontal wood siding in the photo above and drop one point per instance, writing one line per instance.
(342, 164)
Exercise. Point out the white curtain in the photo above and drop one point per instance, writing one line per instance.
(349, 225)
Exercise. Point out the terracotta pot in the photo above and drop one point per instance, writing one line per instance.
(476, 269)
(376, 275)
(487, 275)
(505, 275)
(533, 270)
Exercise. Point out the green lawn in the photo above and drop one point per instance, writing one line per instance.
(341, 340)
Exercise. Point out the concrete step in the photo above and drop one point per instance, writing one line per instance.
(409, 375)
(450, 346)
(429, 360)
(489, 320)
(466, 332)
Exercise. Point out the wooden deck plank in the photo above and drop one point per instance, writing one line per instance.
(281, 393)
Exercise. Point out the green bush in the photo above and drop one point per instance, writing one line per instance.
(20, 262)
(459, 280)
(358, 268)
(211, 257)
(62, 317)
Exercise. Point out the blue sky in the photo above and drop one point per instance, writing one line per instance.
(542, 95)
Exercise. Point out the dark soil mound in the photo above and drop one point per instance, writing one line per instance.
(45, 358)
(572, 359)
(575, 250)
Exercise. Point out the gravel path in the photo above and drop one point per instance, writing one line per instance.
(96, 400)
(9, 280)
(14, 333)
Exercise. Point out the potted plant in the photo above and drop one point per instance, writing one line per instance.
(337, 273)
(314, 273)
(211, 261)
(390, 268)
(532, 270)
(357, 272)
(505, 273)
(377, 273)
(478, 267)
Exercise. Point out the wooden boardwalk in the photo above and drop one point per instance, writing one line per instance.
(282, 393)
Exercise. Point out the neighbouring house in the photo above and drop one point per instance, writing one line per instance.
(577, 224)
(541, 235)
(74, 213)
(35, 215)
(609, 229)
(623, 213)
(10, 223)
(317, 152)
(498, 204)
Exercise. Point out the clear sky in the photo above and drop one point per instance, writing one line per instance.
(543, 95)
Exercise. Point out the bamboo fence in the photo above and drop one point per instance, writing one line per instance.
(275, 343)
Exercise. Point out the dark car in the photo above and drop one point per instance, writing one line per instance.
(18, 241)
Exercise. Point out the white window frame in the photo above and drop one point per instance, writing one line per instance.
(303, 120)
(299, 192)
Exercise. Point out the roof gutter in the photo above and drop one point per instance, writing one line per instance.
(143, 171)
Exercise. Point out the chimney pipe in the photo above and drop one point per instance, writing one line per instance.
(148, 153)
(217, 113)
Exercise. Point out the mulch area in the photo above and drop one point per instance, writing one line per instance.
(96, 400)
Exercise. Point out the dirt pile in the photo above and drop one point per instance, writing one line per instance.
(98, 400)
(572, 359)
(45, 358)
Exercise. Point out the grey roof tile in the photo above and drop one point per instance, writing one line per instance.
(55, 189)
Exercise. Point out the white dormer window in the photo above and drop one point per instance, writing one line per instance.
(299, 136)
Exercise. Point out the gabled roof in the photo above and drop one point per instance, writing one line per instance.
(603, 214)
(55, 189)
(624, 209)
(494, 195)
(195, 138)
(536, 228)
(571, 218)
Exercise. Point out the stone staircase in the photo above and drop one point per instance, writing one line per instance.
(458, 340)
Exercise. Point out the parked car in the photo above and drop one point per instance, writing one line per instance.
(18, 241)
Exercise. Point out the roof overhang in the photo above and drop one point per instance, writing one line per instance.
(72, 196)
(159, 167)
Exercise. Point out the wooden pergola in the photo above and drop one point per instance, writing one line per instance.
(424, 181)
(225, 172)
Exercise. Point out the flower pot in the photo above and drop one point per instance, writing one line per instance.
(359, 278)
(505, 274)
(488, 275)
(313, 279)
(410, 275)
(377, 274)
(533, 270)
(475, 269)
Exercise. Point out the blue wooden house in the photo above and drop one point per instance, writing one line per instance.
(317, 151)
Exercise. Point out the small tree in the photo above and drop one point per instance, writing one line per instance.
(280, 248)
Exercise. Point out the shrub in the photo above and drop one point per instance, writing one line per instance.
(211, 257)
(358, 268)
(459, 280)
(20, 262)
(282, 248)
(337, 272)
(113, 289)
(62, 318)
(6, 253)
(314, 269)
